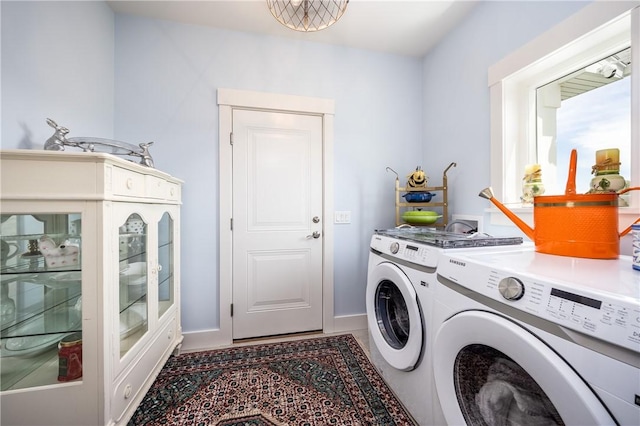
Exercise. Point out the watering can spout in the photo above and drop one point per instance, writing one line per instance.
(488, 194)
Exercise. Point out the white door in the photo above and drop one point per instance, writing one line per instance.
(277, 223)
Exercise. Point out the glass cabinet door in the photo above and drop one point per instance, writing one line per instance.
(133, 280)
(165, 264)
(40, 299)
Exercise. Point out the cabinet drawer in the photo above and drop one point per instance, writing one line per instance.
(128, 183)
(142, 371)
(156, 187)
(161, 189)
(173, 193)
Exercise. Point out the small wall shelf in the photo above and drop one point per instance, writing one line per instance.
(442, 204)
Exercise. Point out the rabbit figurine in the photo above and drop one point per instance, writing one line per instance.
(58, 140)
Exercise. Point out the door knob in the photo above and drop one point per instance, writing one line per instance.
(316, 234)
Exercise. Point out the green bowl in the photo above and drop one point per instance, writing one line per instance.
(420, 217)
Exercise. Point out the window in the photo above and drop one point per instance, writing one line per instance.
(532, 111)
(590, 110)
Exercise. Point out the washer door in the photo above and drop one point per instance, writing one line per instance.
(394, 317)
(490, 370)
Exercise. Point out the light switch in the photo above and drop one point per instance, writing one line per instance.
(342, 217)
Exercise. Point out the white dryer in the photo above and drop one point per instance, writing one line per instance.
(530, 338)
(399, 299)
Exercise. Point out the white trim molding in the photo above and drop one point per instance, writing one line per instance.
(600, 26)
(346, 323)
(228, 99)
(212, 339)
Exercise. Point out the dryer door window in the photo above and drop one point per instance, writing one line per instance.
(490, 370)
(494, 389)
(392, 315)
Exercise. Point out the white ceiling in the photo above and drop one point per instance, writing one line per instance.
(394, 26)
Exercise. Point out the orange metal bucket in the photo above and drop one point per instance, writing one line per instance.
(580, 225)
(577, 225)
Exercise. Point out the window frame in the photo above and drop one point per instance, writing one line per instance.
(597, 29)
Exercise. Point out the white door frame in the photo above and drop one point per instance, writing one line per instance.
(228, 99)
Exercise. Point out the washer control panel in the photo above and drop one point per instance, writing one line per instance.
(571, 303)
(420, 254)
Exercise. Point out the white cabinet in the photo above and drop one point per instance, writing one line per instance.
(90, 258)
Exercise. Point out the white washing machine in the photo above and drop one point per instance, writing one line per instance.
(400, 285)
(530, 338)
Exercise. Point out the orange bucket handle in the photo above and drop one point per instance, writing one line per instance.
(571, 179)
(627, 230)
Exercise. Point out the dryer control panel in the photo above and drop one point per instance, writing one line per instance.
(600, 298)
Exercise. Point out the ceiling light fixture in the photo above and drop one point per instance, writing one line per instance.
(307, 15)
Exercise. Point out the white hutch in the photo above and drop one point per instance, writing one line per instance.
(90, 251)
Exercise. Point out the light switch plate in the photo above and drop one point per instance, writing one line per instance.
(342, 217)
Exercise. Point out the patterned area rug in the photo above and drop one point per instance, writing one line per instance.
(319, 381)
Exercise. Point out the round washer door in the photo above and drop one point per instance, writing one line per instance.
(394, 317)
(490, 370)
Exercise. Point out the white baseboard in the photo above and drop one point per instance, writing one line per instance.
(205, 340)
(212, 339)
(349, 323)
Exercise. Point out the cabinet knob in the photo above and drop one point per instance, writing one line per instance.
(127, 392)
(129, 183)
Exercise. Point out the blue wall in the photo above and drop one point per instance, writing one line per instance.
(137, 79)
(57, 62)
(456, 116)
(167, 75)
